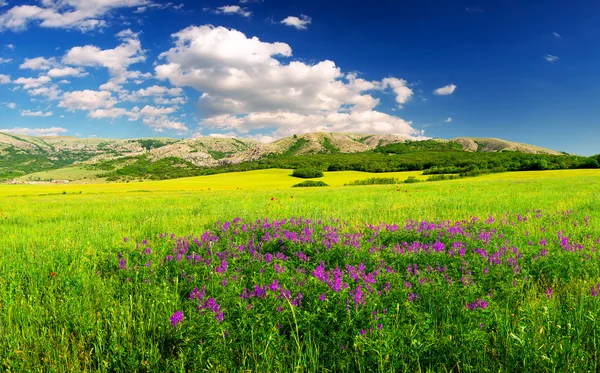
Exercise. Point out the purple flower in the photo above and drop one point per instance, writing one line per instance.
(122, 263)
(323, 297)
(412, 296)
(549, 293)
(177, 318)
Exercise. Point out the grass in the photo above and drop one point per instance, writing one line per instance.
(75, 173)
(90, 316)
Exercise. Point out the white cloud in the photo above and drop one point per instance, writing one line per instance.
(10, 46)
(67, 71)
(163, 123)
(550, 58)
(29, 113)
(4, 79)
(245, 87)
(233, 9)
(446, 90)
(39, 63)
(156, 90)
(403, 93)
(52, 92)
(557, 35)
(299, 23)
(87, 100)
(51, 131)
(29, 83)
(5, 60)
(112, 113)
(448, 120)
(80, 14)
(10, 105)
(170, 101)
(116, 60)
(3, 3)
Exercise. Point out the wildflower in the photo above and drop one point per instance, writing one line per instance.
(122, 263)
(412, 297)
(52, 274)
(323, 297)
(549, 293)
(177, 318)
(125, 239)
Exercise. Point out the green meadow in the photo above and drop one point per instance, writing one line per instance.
(68, 303)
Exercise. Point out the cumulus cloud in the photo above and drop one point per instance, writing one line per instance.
(116, 60)
(51, 131)
(246, 87)
(29, 113)
(4, 79)
(5, 60)
(299, 23)
(39, 63)
(29, 83)
(159, 124)
(87, 100)
(446, 90)
(10, 105)
(84, 15)
(448, 120)
(66, 71)
(233, 9)
(550, 58)
(101, 105)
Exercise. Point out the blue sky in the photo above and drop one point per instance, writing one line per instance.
(525, 70)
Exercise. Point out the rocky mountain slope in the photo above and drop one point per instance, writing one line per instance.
(21, 154)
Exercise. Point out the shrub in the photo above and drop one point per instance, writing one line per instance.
(375, 181)
(310, 183)
(307, 173)
(443, 177)
(412, 179)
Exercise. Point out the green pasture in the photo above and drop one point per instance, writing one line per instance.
(79, 321)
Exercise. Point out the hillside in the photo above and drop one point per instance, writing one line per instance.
(23, 155)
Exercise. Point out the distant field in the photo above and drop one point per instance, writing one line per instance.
(257, 180)
(250, 180)
(79, 174)
(512, 290)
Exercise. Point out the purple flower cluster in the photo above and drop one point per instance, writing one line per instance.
(268, 266)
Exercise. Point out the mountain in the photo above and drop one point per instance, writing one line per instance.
(21, 155)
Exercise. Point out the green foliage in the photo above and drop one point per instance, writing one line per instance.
(411, 180)
(419, 146)
(16, 162)
(307, 173)
(143, 167)
(310, 183)
(217, 155)
(443, 177)
(375, 181)
(329, 146)
(297, 145)
(149, 144)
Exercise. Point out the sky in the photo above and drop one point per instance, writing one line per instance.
(520, 70)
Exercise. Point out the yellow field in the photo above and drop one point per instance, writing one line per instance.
(250, 180)
(272, 179)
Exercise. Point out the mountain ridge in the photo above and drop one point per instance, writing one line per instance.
(29, 154)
